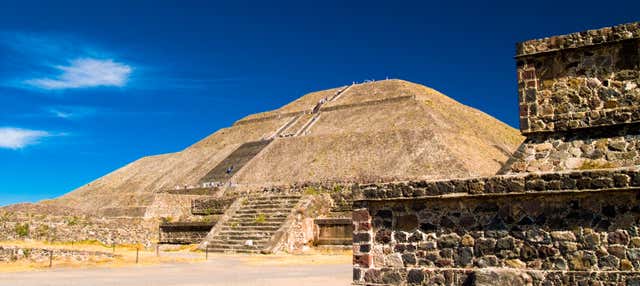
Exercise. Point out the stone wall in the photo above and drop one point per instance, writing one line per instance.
(40, 255)
(21, 226)
(605, 147)
(184, 232)
(333, 231)
(401, 238)
(580, 80)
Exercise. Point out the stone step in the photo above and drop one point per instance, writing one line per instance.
(273, 198)
(232, 250)
(237, 242)
(264, 215)
(251, 228)
(244, 232)
(252, 219)
(251, 223)
(259, 211)
(270, 203)
(268, 206)
(242, 237)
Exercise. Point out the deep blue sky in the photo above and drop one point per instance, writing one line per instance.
(86, 87)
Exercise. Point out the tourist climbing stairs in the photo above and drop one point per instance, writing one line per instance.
(253, 225)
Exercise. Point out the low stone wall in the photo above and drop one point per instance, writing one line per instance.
(20, 226)
(184, 232)
(40, 255)
(334, 231)
(604, 179)
(545, 227)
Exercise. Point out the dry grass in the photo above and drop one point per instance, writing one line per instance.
(125, 256)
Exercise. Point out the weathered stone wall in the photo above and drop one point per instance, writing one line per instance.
(333, 231)
(580, 80)
(174, 206)
(607, 147)
(40, 255)
(542, 183)
(20, 226)
(184, 232)
(538, 225)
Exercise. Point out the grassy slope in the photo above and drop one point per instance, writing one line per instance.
(431, 137)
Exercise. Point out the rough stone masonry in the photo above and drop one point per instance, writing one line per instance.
(566, 208)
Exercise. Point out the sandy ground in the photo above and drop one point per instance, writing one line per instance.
(218, 270)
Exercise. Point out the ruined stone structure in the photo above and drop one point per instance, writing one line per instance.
(579, 96)
(566, 212)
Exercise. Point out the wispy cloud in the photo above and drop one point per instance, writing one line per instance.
(70, 112)
(60, 62)
(17, 138)
(84, 73)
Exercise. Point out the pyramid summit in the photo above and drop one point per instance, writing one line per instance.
(375, 131)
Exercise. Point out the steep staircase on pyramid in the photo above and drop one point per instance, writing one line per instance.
(228, 167)
(340, 93)
(300, 123)
(253, 225)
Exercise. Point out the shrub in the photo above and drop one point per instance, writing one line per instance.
(311, 191)
(22, 230)
(261, 218)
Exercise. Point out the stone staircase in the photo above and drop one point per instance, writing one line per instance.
(237, 159)
(300, 123)
(252, 227)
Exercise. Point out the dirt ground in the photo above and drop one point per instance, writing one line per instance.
(321, 270)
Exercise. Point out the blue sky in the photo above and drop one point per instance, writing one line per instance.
(89, 86)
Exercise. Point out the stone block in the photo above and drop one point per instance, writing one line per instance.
(500, 276)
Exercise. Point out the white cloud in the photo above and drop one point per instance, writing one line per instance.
(86, 72)
(16, 138)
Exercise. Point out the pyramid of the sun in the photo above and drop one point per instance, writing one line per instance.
(384, 130)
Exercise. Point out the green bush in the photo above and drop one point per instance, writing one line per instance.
(22, 230)
(261, 218)
(311, 191)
